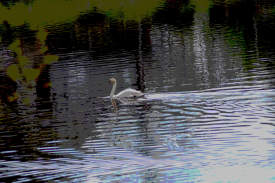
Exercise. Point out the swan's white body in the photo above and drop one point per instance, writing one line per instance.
(127, 93)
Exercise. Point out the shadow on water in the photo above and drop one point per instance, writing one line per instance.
(208, 111)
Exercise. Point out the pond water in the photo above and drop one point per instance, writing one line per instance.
(208, 114)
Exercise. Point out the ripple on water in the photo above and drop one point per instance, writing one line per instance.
(221, 127)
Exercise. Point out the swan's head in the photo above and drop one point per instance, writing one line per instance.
(112, 80)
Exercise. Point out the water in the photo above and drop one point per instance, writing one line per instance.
(207, 115)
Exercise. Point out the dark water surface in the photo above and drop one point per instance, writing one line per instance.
(208, 114)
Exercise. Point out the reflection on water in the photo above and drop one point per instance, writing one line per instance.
(196, 136)
(207, 114)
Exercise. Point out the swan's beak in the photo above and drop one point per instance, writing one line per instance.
(111, 81)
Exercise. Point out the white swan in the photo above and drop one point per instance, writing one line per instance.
(127, 93)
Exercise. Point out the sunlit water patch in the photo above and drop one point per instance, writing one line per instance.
(198, 131)
(185, 136)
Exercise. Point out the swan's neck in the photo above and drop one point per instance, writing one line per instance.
(113, 90)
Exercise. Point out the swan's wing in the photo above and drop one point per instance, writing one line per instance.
(129, 93)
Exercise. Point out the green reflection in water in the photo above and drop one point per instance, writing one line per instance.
(41, 13)
(24, 72)
(201, 6)
(44, 12)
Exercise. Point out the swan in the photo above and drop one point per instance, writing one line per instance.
(127, 93)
